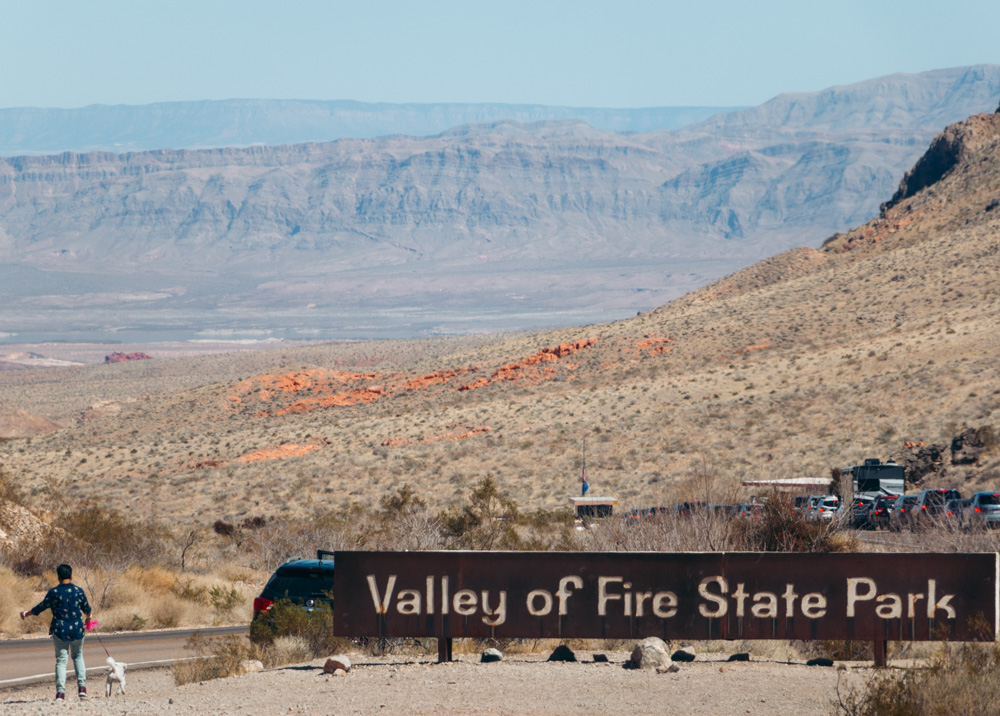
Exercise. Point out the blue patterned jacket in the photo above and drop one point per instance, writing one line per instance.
(67, 602)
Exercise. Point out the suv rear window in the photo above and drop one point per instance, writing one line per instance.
(989, 499)
(300, 583)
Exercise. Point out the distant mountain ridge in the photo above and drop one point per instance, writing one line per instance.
(492, 226)
(246, 122)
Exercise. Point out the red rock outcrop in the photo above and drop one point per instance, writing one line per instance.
(655, 346)
(436, 378)
(528, 369)
(279, 453)
(123, 357)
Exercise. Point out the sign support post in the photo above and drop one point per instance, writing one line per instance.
(878, 648)
(444, 649)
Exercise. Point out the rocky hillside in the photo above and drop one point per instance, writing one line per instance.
(485, 226)
(882, 343)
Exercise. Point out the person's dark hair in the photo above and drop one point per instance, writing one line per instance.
(64, 571)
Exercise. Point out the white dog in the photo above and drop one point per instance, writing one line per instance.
(116, 675)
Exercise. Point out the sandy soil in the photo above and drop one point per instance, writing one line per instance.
(518, 685)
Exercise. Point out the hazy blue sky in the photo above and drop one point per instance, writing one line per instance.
(580, 53)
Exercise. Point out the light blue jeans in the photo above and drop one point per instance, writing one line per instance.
(63, 651)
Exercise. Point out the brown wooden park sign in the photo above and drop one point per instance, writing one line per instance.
(693, 596)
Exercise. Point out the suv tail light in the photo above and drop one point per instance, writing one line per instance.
(262, 605)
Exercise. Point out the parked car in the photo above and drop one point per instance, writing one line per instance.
(810, 505)
(304, 582)
(826, 509)
(983, 510)
(930, 505)
(859, 512)
(750, 509)
(688, 509)
(641, 512)
(880, 511)
(954, 512)
(902, 514)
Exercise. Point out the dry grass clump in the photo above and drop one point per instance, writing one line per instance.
(215, 659)
(16, 594)
(961, 679)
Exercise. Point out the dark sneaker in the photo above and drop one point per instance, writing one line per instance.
(83, 692)
(60, 696)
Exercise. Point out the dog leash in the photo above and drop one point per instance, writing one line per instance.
(99, 640)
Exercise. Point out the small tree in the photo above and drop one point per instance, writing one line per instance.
(488, 521)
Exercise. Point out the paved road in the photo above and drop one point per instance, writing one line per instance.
(24, 661)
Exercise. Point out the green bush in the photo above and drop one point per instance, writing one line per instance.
(289, 619)
(488, 521)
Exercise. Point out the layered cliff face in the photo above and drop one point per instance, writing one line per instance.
(490, 226)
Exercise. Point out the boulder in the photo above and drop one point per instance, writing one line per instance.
(248, 666)
(922, 461)
(968, 445)
(742, 656)
(650, 653)
(562, 653)
(820, 661)
(600, 658)
(491, 655)
(686, 654)
(336, 662)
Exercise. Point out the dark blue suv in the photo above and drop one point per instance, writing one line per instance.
(306, 582)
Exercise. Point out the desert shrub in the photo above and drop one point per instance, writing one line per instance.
(168, 612)
(781, 529)
(215, 658)
(127, 617)
(315, 628)
(224, 601)
(186, 589)
(16, 593)
(487, 521)
(254, 523)
(404, 501)
(102, 544)
(9, 490)
(224, 528)
(27, 566)
(154, 580)
(962, 679)
(287, 650)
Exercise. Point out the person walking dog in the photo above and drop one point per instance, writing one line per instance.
(67, 602)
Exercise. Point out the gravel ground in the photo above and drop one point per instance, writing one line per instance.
(518, 685)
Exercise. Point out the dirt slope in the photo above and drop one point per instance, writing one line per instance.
(887, 336)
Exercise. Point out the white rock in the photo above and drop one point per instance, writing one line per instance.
(491, 655)
(650, 653)
(337, 662)
(248, 666)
